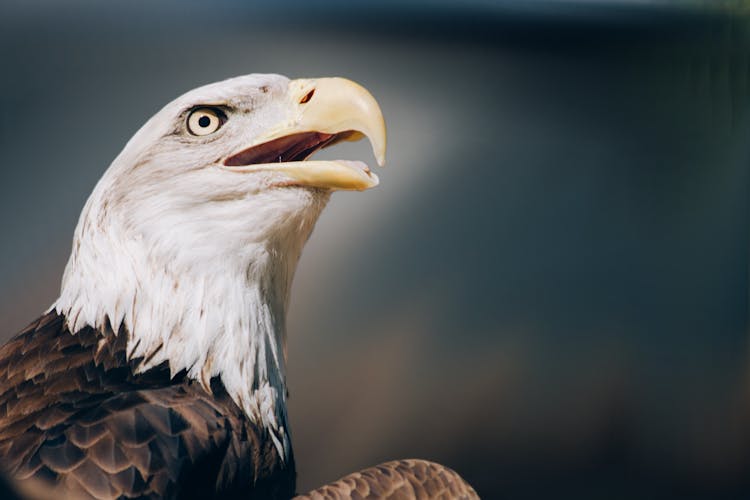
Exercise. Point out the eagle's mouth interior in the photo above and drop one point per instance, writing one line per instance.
(294, 147)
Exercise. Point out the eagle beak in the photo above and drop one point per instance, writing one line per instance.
(324, 111)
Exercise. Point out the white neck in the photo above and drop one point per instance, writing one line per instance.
(210, 315)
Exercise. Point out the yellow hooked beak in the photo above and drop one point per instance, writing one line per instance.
(324, 111)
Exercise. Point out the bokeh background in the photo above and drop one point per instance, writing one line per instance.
(549, 290)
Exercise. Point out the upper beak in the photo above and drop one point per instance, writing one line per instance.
(323, 111)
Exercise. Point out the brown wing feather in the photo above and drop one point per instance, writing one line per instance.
(402, 479)
(74, 413)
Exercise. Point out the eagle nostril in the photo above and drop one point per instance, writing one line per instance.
(307, 97)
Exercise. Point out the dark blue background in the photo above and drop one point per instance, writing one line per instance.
(549, 290)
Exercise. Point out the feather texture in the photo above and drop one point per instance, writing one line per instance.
(75, 414)
(401, 479)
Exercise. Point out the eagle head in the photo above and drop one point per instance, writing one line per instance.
(189, 242)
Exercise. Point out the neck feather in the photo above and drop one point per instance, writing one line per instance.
(223, 317)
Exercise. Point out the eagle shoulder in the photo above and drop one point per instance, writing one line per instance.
(75, 414)
(399, 479)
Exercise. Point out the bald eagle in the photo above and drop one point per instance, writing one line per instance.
(160, 369)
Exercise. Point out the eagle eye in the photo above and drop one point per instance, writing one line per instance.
(204, 121)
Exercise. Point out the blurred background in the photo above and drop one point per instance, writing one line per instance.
(549, 290)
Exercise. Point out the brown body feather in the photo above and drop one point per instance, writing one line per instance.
(401, 479)
(76, 421)
(74, 413)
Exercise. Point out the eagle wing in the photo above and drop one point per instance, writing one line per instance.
(74, 414)
(417, 479)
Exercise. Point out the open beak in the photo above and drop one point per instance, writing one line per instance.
(324, 111)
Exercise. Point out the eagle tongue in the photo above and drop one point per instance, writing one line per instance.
(293, 147)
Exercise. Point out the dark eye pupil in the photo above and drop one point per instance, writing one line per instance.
(204, 121)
